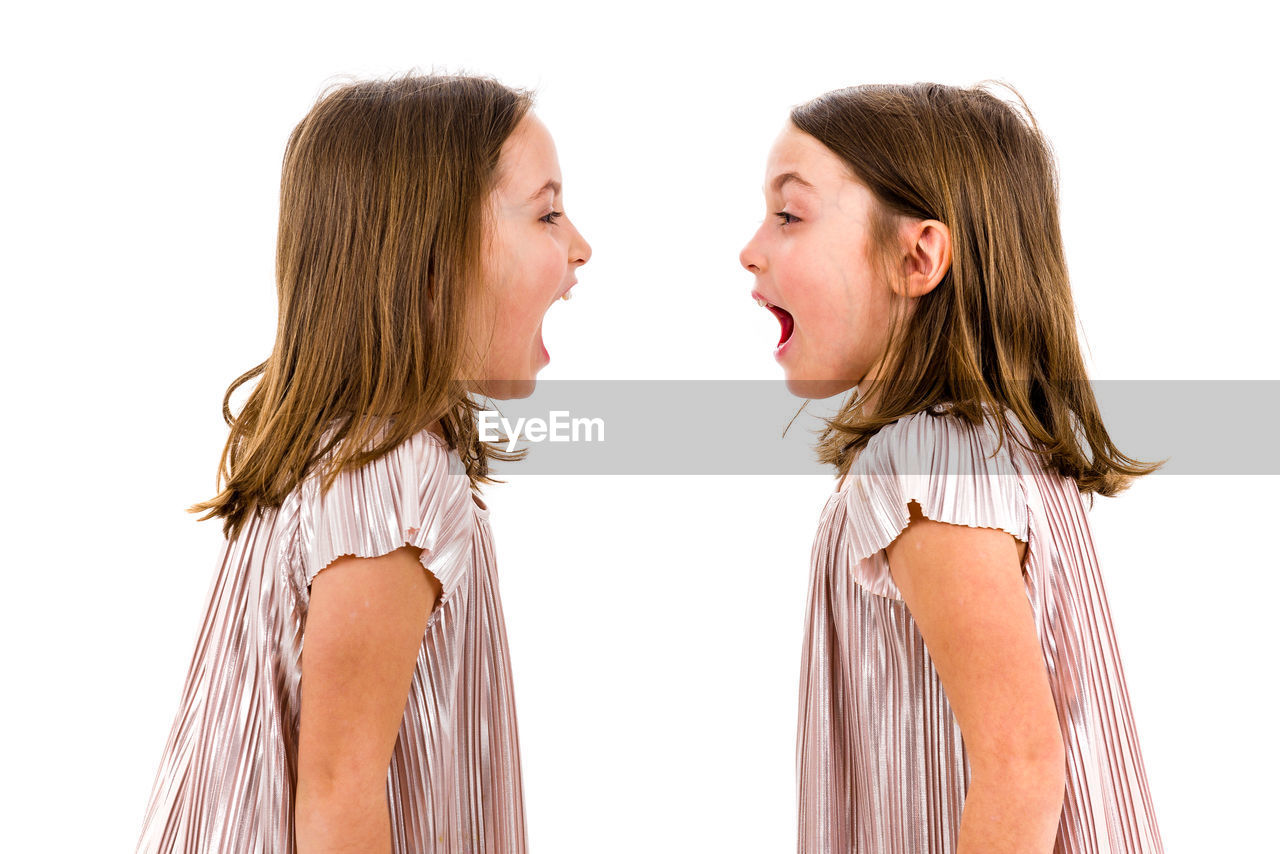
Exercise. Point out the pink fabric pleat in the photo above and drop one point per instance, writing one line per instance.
(228, 771)
(881, 763)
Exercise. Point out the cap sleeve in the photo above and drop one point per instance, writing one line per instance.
(950, 467)
(416, 494)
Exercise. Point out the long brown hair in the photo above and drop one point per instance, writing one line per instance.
(383, 205)
(999, 329)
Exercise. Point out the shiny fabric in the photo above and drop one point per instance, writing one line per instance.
(881, 764)
(227, 776)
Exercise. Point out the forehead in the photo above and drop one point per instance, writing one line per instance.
(528, 161)
(797, 158)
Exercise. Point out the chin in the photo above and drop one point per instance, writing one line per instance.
(509, 389)
(815, 389)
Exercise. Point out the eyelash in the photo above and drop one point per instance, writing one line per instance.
(550, 219)
(783, 216)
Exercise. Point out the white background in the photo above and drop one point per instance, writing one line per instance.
(655, 622)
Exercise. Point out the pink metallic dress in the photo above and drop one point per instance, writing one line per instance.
(226, 780)
(881, 765)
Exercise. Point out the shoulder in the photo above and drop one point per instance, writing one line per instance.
(437, 470)
(956, 471)
(417, 493)
(430, 452)
(940, 441)
(423, 459)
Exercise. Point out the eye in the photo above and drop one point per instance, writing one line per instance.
(786, 218)
(550, 219)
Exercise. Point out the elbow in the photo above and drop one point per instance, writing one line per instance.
(324, 789)
(1037, 768)
(324, 807)
(331, 785)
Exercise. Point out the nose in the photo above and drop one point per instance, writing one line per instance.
(750, 258)
(580, 249)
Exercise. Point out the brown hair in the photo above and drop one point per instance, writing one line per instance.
(383, 199)
(999, 329)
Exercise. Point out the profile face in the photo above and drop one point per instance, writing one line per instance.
(810, 261)
(532, 254)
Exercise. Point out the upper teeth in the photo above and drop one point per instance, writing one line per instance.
(761, 302)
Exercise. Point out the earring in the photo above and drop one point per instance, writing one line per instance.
(567, 295)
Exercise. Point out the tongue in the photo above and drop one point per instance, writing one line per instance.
(787, 321)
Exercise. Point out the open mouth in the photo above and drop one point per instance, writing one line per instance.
(787, 321)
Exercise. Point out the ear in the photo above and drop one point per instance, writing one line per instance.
(927, 255)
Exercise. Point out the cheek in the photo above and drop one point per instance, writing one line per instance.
(512, 284)
(537, 267)
(551, 265)
(811, 279)
(842, 279)
(832, 293)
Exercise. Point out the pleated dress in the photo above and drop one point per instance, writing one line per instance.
(881, 764)
(227, 776)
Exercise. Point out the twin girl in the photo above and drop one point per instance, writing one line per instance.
(351, 689)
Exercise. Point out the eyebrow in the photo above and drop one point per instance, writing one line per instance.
(787, 177)
(552, 185)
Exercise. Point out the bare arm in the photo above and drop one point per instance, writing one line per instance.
(364, 628)
(964, 589)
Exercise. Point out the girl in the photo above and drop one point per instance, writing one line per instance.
(960, 687)
(351, 688)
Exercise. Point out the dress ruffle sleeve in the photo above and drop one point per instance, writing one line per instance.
(948, 466)
(417, 494)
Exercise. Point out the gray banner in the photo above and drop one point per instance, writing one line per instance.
(737, 427)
